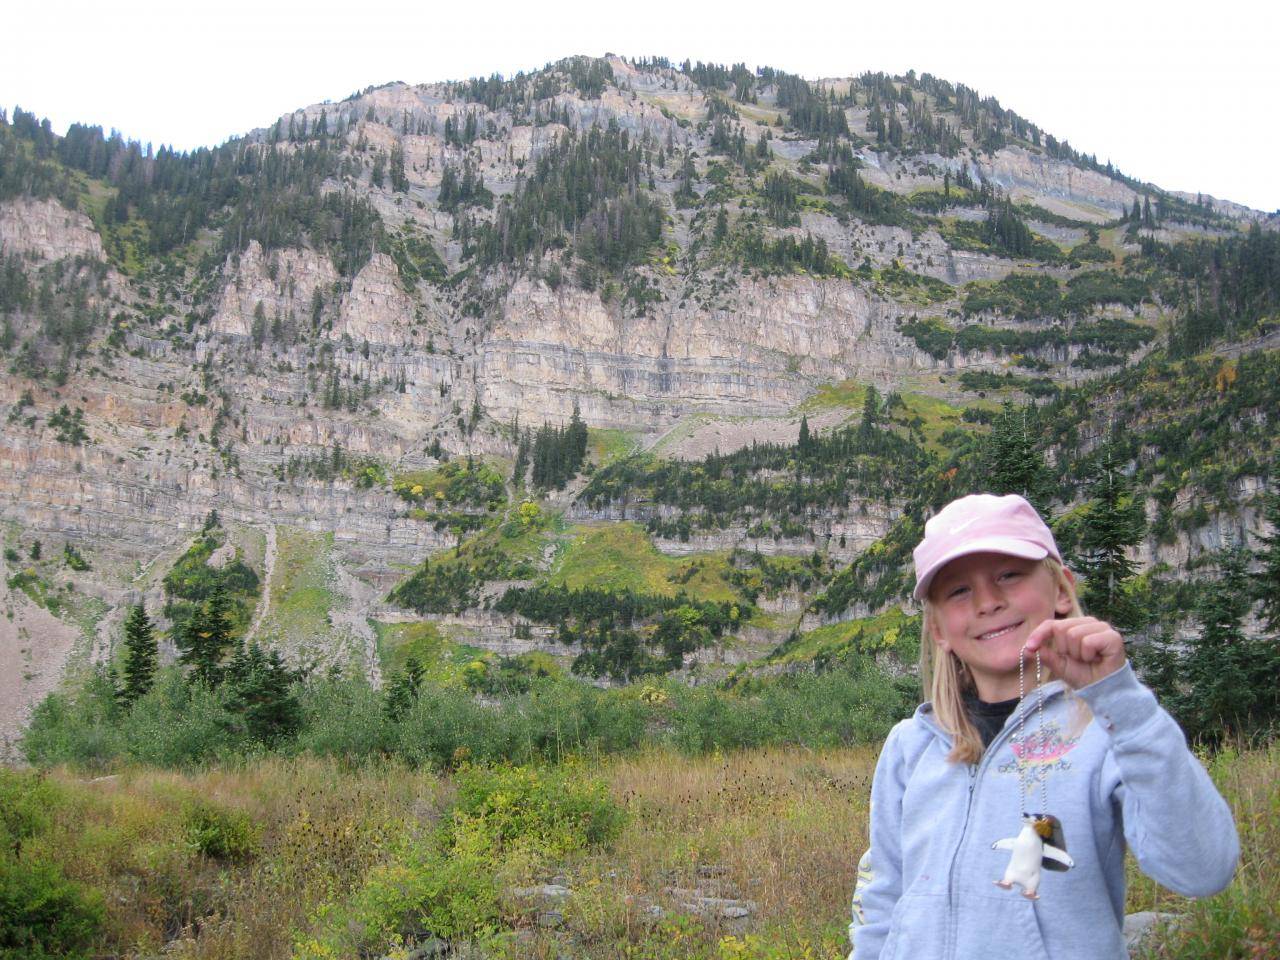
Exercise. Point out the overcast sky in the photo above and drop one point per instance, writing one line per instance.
(1180, 94)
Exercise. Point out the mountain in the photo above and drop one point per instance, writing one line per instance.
(323, 368)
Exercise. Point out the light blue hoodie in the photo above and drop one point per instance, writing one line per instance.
(1124, 779)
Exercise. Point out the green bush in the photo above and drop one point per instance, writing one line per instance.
(1097, 287)
(218, 833)
(77, 728)
(1022, 296)
(42, 913)
(445, 884)
(343, 717)
(857, 703)
(422, 893)
(555, 719)
(173, 725)
(25, 804)
(544, 812)
(177, 724)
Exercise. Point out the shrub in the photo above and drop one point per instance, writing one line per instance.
(25, 803)
(855, 704)
(219, 833)
(421, 893)
(1019, 295)
(180, 725)
(343, 717)
(539, 812)
(42, 913)
(172, 725)
(77, 728)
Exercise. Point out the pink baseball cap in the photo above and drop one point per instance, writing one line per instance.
(981, 523)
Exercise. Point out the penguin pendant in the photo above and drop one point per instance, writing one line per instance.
(1039, 844)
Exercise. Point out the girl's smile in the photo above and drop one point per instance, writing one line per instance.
(984, 605)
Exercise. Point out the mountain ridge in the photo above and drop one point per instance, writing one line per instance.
(365, 288)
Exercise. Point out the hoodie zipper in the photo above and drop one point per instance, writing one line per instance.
(975, 771)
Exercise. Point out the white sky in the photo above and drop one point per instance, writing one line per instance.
(1181, 94)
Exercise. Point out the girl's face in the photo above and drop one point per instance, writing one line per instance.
(984, 606)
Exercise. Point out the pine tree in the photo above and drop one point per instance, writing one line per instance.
(721, 233)
(204, 638)
(802, 445)
(142, 655)
(1113, 522)
(262, 699)
(1228, 677)
(522, 460)
(402, 691)
(870, 408)
(577, 442)
(1267, 582)
(1011, 462)
(259, 331)
(399, 180)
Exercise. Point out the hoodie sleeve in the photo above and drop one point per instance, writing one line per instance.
(1162, 790)
(879, 883)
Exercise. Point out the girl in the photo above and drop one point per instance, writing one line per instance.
(963, 862)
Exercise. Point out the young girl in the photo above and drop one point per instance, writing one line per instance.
(963, 864)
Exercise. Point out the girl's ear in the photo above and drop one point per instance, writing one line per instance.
(1062, 603)
(935, 636)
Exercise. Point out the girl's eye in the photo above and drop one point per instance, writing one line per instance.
(956, 592)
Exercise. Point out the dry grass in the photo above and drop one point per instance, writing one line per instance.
(781, 827)
(782, 823)
(1244, 921)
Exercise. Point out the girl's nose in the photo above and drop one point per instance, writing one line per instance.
(987, 598)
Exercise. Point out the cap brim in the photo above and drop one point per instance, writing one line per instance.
(1007, 545)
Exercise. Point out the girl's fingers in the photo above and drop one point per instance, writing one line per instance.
(1035, 639)
(1079, 650)
(1078, 638)
(1051, 660)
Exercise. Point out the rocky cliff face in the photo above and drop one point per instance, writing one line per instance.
(46, 230)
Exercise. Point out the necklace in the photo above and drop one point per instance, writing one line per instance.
(1040, 843)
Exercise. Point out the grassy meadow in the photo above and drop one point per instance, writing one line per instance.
(654, 854)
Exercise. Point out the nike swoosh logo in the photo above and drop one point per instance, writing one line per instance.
(960, 526)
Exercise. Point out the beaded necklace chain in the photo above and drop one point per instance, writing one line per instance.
(1021, 737)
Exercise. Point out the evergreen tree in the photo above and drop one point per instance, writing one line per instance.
(399, 180)
(1011, 462)
(1113, 522)
(1267, 582)
(259, 331)
(522, 460)
(576, 440)
(803, 444)
(205, 637)
(870, 408)
(142, 655)
(261, 697)
(1227, 678)
(402, 691)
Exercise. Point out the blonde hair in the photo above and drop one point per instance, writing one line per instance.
(945, 679)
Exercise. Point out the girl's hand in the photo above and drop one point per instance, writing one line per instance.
(1079, 650)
